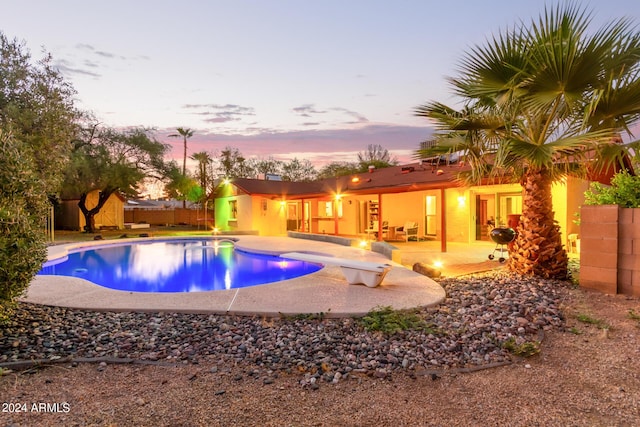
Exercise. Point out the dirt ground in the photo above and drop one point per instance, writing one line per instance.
(586, 375)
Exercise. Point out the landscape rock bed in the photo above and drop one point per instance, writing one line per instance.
(468, 330)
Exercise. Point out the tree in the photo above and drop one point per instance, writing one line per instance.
(185, 133)
(334, 169)
(268, 166)
(203, 175)
(36, 105)
(111, 161)
(542, 101)
(298, 170)
(37, 122)
(177, 186)
(232, 164)
(376, 156)
(23, 204)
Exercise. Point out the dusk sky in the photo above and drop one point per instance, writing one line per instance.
(317, 80)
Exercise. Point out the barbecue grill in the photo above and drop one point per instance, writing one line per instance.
(502, 236)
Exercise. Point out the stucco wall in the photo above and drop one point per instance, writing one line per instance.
(403, 207)
(269, 216)
(458, 211)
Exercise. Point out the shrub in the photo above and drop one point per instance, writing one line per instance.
(390, 321)
(624, 191)
(23, 206)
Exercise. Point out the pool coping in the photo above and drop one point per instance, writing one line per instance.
(324, 292)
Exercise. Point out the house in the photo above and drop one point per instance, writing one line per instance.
(69, 216)
(269, 207)
(425, 192)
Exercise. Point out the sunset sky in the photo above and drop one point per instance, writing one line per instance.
(310, 79)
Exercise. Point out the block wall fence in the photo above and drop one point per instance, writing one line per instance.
(167, 216)
(610, 249)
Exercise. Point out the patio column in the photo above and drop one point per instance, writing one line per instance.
(443, 222)
(335, 215)
(380, 217)
(302, 229)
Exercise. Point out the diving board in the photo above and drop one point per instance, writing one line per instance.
(356, 272)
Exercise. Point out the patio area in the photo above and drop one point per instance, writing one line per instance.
(460, 258)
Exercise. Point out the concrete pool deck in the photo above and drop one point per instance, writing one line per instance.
(325, 291)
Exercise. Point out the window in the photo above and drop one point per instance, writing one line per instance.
(431, 215)
(233, 209)
(325, 209)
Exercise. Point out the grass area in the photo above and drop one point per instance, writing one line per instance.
(590, 320)
(390, 321)
(631, 314)
(526, 349)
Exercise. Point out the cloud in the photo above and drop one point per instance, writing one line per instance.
(307, 110)
(107, 55)
(91, 59)
(67, 68)
(221, 113)
(359, 117)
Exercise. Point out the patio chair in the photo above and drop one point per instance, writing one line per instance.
(407, 231)
(374, 229)
(573, 243)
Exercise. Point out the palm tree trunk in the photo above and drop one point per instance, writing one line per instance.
(184, 166)
(537, 249)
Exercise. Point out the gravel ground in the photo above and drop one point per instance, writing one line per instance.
(222, 370)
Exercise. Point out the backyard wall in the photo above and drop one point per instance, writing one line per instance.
(610, 249)
(167, 216)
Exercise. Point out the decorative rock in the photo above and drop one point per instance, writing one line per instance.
(479, 313)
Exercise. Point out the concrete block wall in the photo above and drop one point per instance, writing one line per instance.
(167, 216)
(610, 249)
(629, 251)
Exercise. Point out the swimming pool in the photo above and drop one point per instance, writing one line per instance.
(175, 266)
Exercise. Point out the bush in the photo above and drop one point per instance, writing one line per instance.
(23, 206)
(624, 191)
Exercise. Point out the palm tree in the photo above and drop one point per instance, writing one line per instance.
(186, 133)
(204, 160)
(541, 102)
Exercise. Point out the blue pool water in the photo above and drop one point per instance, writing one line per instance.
(175, 266)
